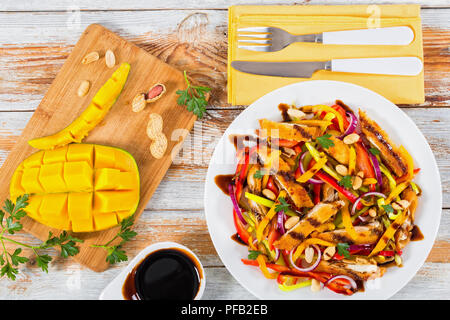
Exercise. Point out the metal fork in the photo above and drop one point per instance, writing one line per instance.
(268, 39)
(272, 39)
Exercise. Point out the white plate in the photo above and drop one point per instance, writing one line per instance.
(113, 290)
(401, 129)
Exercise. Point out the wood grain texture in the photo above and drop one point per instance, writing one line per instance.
(33, 47)
(188, 40)
(121, 128)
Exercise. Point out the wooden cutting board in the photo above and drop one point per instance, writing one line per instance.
(120, 128)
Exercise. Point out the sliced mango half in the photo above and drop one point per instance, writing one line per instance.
(91, 116)
(80, 187)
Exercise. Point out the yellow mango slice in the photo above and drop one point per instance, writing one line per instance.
(102, 102)
(78, 187)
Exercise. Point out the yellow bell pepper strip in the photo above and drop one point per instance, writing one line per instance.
(415, 187)
(265, 221)
(313, 170)
(351, 160)
(389, 233)
(409, 162)
(302, 246)
(262, 265)
(397, 190)
(387, 173)
(347, 221)
(266, 202)
(288, 288)
(369, 181)
(337, 114)
(317, 123)
(316, 156)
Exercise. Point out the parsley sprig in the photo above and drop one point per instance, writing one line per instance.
(115, 252)
(346, 181)
(193, 97)
(10, 223)
(343, 248)
(325, 141)
(282, 206)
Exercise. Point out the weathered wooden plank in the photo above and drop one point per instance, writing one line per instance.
(184, 180)
(36, 5)
(195, 41)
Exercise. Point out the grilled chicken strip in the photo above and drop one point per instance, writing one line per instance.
(357, 270)
(289, 131)
(281, 171)
(296, 192)
(369, 233)
(318, 215)
(403, 235)
(254, 184)
(379, 138)
(340, 151)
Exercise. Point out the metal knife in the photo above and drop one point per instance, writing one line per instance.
(402, 66)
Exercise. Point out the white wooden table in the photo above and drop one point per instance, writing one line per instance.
(37, 36)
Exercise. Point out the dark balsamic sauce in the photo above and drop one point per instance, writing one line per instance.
(222, 181)
(166, 274)
(416, 234)
(238, 239)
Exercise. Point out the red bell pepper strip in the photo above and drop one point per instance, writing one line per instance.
(389, 253)
(327, 179)
(316, 189)
(271, 186)
(335, 123)
(403, 178)
(336, 286)
(272, 237)
(242, 232)
(285, 143)
(363, 161)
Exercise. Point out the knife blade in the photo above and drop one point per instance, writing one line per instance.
(404, 66)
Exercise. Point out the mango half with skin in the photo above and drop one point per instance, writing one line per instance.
(102, 102)
(78, 187)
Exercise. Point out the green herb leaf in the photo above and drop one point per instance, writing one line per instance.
(283, 206)
(43, 261)
(10, 271)
(259, 174)
(374, 151)
(12, 226)
(388, 208)
(193, 97)
(252, 254)
(115, 255)
(16, 259)
(325, 141)
(346, 182)
(342, 249)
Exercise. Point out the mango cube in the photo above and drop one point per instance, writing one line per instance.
(56, 155)
(79, 206)
(81, 152)
(78, 176)
(106, 179)
(104, 158)
(105, 220)
(107, 201)
(124, 161)
(33, 161)
(30, 181)
(51, 177)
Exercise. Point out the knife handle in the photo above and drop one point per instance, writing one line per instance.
(401, 66)
(377, 36)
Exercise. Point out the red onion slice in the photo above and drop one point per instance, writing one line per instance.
(302, 170)
(311, 267)
(235, 204)
(376, 167)
(352, 126)
(352, 282)
(373, 193)
(280, 222)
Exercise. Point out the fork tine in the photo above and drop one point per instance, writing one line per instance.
(254, 29)
(256, 48)
(255, 35)
(268, 41)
